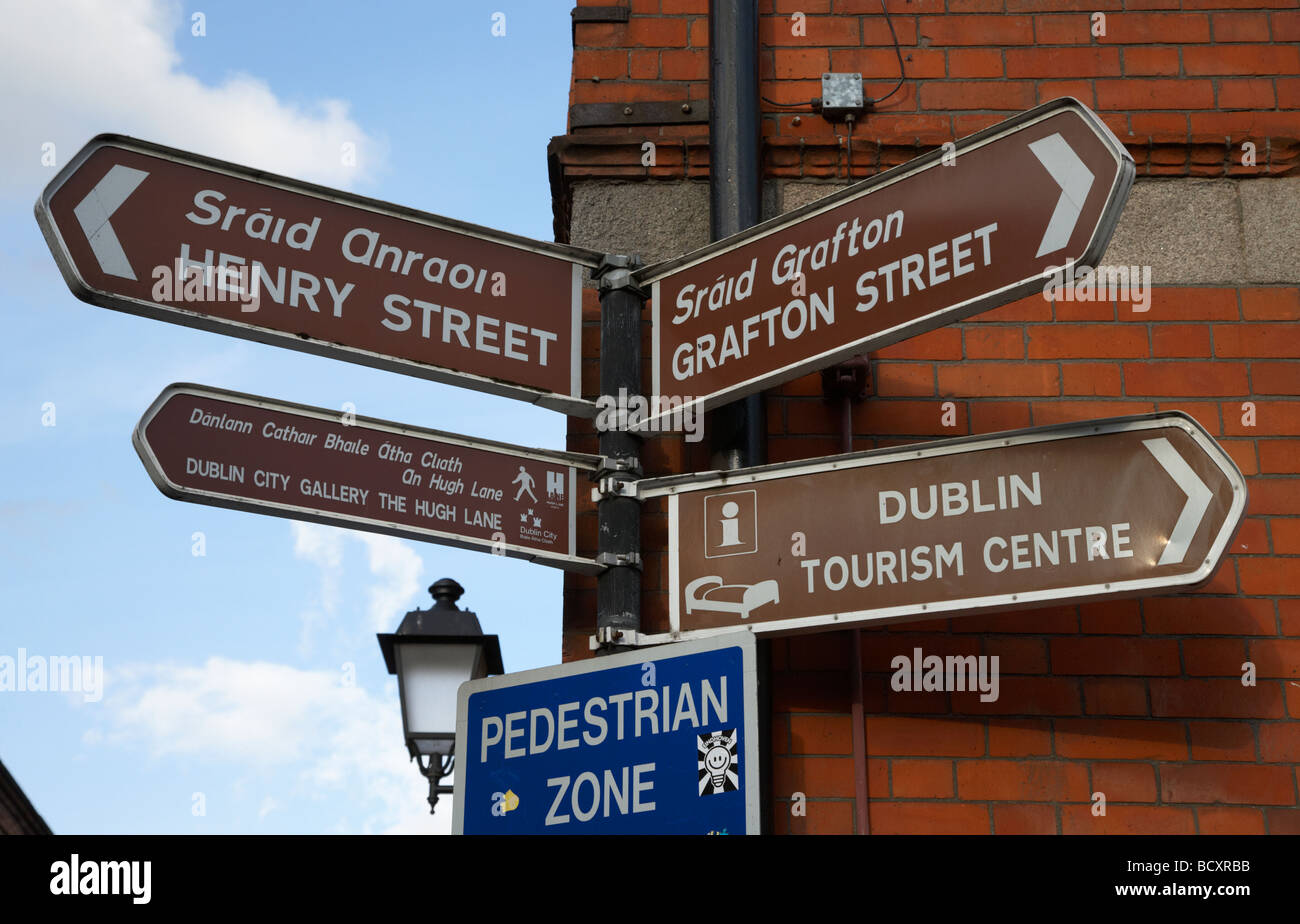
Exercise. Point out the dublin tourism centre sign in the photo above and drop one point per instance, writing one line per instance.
(1109, 508)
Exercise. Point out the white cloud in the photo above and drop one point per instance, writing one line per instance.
(337, 742)
(70, 69)
(239, 708)
(394, 563)
(399, 568)
(323, 547)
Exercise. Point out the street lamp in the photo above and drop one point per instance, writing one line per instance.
(432, 653)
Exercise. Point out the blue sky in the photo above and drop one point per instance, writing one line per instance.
(227, 675)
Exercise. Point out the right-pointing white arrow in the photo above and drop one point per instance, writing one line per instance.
(94, 211)
(1074, 179)
(1198, 499)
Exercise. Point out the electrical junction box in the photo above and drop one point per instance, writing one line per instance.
(842, 96)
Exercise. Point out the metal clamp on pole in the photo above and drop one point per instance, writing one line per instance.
(628, 465)
(613, 486)
(618, 587)
(616, 477)
(616, 639)
(615, 272)
(619, 560)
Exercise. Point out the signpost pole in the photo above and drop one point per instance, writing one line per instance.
(618, 546)
(737, 431)
(847, 384)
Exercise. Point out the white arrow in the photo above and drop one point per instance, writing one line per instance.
(1074, 179)
(1198, 499)
(94, 211)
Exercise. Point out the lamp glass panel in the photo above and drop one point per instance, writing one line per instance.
(431, 674)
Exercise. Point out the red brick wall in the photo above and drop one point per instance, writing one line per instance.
(1139, 700)
(1183, 88)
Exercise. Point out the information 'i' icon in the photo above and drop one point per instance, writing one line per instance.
(730, 524)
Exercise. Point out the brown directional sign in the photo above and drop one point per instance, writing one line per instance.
(963, 229)
(1112, 508)
(179, 237)
(227, 449)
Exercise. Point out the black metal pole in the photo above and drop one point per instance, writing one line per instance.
(738, 431)
(847, 383)
(618, 588)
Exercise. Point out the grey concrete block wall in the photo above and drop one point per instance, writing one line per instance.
(1270, 229)
(795, 195)
(653, 219)
(656, 220)
(1189, 231)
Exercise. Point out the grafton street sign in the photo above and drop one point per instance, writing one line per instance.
(1109, 508)
(960, 230)
(179, 237)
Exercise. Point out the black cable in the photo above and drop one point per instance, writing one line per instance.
(772, 102)
(851, 120)
(897, 49)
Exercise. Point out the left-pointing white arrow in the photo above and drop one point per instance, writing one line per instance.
(1074, 179)
(94, 211)
(1198, 499)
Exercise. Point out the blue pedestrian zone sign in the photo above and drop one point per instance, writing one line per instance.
(658, 741)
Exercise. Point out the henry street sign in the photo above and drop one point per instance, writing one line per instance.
(1119, 507)
(939, 238)
(179, 237)
(661, 741)
(227, 449)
